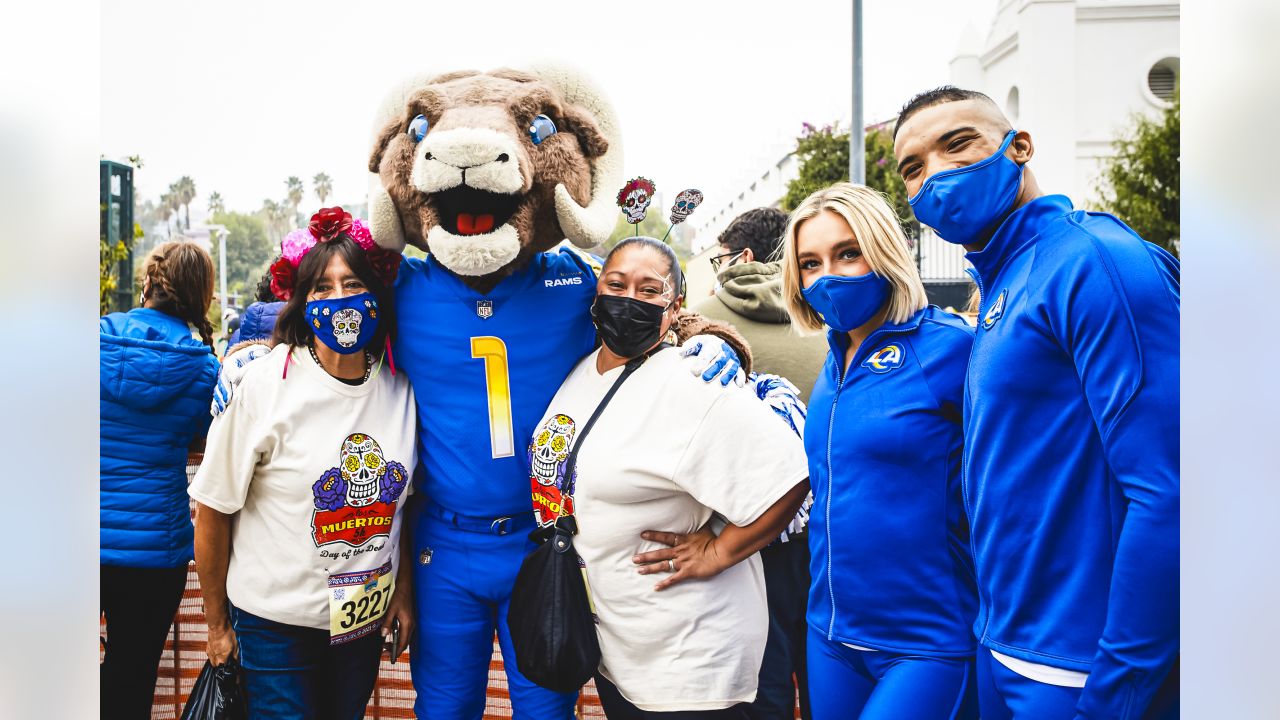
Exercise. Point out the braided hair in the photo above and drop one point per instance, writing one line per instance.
(178, 278)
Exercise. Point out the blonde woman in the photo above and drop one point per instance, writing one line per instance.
(892, 595)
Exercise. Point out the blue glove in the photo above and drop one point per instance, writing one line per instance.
(232, 372)
(783, 398)
(713, 358)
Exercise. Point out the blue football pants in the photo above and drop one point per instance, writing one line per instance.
(875, 685)
(1005, 695)
(462, 594)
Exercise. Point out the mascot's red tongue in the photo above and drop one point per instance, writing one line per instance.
(474, 225)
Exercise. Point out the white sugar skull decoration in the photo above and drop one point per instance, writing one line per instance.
(551, 447)
(346, 326)
(634, 198)
(362, 466)
(686, 202)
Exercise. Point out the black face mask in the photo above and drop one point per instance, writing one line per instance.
(627, 326)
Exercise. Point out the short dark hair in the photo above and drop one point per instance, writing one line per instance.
(936, 96)
(673, 262)
(760, 229)
(292, 327)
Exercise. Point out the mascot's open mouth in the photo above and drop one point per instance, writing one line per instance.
(466, 210)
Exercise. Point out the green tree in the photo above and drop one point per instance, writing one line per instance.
(1140, 184)
(824, 160)
(294, 193)
(167, 208)
(184, 191)
(216, 204)
(109, 257)
(249, 249)
(323, 185)
(276, 216)
(654, 225)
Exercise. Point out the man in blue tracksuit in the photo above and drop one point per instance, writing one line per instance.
(1071, 425)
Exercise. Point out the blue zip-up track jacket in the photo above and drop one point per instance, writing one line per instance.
(890, 563)
(1071, 451)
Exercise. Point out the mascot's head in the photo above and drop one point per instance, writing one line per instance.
(482, 170)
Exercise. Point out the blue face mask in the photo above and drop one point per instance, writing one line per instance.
(963, 205)
(846, 303)
(346, 324)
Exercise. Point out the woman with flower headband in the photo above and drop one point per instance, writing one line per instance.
(301, 493)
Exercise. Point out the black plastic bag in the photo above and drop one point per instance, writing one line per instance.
(218, 693)
(553, 630)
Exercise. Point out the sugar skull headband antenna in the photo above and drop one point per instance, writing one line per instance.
(635, 196)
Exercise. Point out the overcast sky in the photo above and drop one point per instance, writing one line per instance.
(242, 94)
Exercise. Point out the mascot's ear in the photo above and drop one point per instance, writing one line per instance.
(388, 132)
(424, 102)
(594, 144)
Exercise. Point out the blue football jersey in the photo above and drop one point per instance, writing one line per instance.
(484, 366)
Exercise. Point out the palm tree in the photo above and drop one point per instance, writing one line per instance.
(324, 186)
(166, 209)
(215, 203)
(185, 191)
(295, 191)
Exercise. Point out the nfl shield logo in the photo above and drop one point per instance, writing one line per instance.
(484, 308)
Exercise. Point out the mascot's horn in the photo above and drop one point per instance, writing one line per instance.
(591, 225)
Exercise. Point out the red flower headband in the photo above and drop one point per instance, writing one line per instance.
(327, 225)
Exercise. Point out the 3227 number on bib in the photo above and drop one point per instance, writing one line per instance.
(357, 602)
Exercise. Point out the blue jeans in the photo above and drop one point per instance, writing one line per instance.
(878, 685)
(293, 672)
(463, 573)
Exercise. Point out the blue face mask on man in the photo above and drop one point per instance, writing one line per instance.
(964, 205)
(845, 302)
(346, 324)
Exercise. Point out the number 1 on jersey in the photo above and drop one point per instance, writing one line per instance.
(498, 385)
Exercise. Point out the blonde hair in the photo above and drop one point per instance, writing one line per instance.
(879, 234)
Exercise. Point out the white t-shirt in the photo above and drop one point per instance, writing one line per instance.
(316, 472)
(668, 451)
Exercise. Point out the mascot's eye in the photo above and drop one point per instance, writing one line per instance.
(540, 129)
(418, 128)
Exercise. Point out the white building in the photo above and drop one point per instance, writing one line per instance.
(1073, 73)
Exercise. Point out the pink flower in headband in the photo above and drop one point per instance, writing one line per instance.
(296, 244)
(360, 233)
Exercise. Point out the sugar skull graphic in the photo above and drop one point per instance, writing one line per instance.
(634, 198)
(548, 453)
(686, 202)
(346, 326)
(356, 500)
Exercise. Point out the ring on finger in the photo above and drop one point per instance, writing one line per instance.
(671, 563)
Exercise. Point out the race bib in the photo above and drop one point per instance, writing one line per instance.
(357, 602)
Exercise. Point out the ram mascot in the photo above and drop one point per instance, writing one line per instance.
(489, 173)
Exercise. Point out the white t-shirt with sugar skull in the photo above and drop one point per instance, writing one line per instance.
(316, 473)
(667, 452)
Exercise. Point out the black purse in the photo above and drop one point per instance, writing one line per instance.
(553, 629)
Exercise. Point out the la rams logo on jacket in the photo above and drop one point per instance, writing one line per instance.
(885, 359)
(996, 311)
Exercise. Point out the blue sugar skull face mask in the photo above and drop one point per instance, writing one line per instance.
(345, 325)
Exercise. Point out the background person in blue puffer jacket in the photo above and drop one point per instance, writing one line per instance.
(156, 383)
(259, 319)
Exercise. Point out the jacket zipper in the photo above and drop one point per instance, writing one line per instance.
(835, 400)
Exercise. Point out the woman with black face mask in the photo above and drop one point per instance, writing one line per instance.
(654, 446)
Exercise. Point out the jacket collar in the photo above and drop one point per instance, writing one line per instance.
(839, 342)
(1018, 230)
